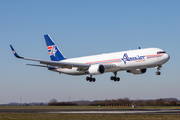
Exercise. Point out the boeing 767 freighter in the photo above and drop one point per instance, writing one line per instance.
(133, 61)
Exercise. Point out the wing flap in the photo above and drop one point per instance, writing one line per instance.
(52, 67)
(65, 64)
(107, 66)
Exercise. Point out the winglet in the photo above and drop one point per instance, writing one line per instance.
(14, 52)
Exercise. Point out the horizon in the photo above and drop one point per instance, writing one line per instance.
(86, 100)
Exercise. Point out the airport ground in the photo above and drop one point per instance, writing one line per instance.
(27, 116)
(89, 113)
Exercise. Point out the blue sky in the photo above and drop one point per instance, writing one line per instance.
(82, 28)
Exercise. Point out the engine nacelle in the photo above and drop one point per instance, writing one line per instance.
(137, 71)
(96, 69)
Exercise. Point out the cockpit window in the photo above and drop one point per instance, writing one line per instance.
(161, 52)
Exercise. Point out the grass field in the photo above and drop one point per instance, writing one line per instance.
(23, 116)
(48, 116)
(87, 107)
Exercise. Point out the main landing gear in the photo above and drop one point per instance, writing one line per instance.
(90, 79)
(158, 68)
(114, 77)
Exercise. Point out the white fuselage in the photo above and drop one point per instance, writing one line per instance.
(125, 60)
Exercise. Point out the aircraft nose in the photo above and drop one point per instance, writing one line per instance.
(167, 57)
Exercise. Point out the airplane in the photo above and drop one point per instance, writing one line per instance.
(133, 61)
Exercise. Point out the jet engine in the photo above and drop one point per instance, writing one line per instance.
(137, 71)
(96, 69)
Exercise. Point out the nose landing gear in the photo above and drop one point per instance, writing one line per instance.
(114, 77)
(158, 68)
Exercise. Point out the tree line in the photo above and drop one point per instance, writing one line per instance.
(54, 102)
(117, 102)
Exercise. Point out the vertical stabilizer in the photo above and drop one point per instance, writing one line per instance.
(54, 52)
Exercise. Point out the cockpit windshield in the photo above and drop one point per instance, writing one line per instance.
(161, 52)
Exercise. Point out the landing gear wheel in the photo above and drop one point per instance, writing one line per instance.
(158, 68)
(114, 78)
(158, 73)
(93, 79)
(90, 79)
(87, 78)
(118, 79)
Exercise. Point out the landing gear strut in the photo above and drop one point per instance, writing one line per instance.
(158, 68)
(114, 77)
(90, 79)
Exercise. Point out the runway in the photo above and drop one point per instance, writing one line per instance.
(95, 111)
(122, 112)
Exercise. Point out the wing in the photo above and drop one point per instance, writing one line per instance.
(55, 64)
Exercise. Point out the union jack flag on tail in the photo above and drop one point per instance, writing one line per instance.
(54, 52)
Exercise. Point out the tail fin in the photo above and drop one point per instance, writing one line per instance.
(54, 52)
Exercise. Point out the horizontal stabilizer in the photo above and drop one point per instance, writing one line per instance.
(52, 67)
